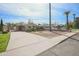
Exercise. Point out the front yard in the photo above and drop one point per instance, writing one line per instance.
(4, 39)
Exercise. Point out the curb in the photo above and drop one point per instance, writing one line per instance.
(65, 39)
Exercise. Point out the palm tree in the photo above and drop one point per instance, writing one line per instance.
(1, 25)
(50, 16)
(74, 19)
(74, 16)
(67, 20)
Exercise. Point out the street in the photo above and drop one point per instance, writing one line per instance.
(69, 47)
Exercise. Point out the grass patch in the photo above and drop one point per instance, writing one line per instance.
(4, 38)
(75, 30)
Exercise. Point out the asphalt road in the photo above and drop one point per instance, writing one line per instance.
(69, 47)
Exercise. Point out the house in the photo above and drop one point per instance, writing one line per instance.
(23, 26)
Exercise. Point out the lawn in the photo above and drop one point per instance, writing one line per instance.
(4, 39)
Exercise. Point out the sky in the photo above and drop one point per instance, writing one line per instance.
(37, 12)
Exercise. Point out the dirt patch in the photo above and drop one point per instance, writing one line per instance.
(49, 34)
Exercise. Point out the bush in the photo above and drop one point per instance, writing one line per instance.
(28, 30)
(5, 32)
(39, 28)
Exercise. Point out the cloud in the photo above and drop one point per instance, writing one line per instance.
(25, 9)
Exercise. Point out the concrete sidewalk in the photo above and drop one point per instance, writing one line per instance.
(22, 43)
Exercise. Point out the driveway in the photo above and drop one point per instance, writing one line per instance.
(19, 39)
(23, 43)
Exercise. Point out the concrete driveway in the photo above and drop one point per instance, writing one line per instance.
(19, 39)
(23, 43)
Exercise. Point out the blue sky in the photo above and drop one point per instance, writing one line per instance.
(38, 12)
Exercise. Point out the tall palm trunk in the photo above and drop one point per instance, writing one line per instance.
(67, 22)
(74, 17)
(1, 26)
(74, 20)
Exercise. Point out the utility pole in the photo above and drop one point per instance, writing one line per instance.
(50, 17)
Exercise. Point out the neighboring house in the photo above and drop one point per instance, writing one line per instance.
(31, 25)
(46, 26)
(53, 26)
(23, 26)
(5, 28)
(20, 27)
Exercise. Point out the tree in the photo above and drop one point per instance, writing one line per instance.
(67, 20)
(74, 19)
(1, 25)
(74, 16)
(70, 25)
(77, 23)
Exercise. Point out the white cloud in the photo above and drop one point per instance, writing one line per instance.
(25, 9)
(30, 9)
